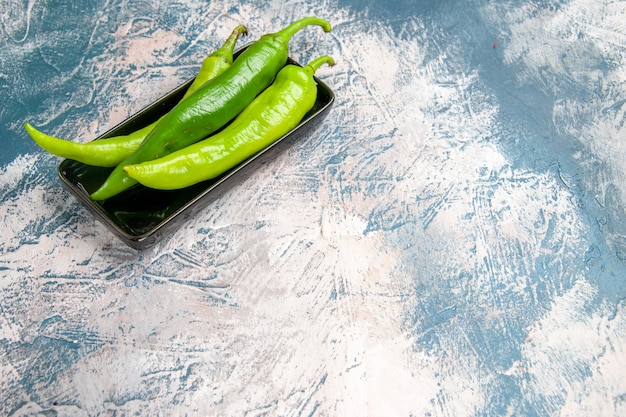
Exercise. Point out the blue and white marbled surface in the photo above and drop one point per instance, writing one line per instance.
(450, 242)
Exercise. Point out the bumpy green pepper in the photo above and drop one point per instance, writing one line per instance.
(213, 105)
(110, 152)
(271, 115)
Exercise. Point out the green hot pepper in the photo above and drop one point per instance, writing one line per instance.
(213, 105)
(110, 152)
(271, 115)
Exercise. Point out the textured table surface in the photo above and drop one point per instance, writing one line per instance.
(451, 241)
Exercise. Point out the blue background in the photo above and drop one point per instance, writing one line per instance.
(450, 242)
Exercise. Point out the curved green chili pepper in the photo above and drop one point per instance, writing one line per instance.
(212, 105)
(271, 115)
(109, 152)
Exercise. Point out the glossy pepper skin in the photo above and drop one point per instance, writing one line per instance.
(271, 115)
(213, 105)
(110, 152)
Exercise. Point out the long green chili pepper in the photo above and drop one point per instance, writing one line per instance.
(271, 115)
(213, 105)
(110, 152)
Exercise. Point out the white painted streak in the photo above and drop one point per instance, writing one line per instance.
(575, 357)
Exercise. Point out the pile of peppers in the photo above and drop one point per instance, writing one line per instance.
(233, 109)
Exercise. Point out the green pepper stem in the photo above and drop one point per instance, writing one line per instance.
(314, 65)
(287, 32)
(226, 50)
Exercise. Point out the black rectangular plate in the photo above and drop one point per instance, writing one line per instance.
(141, 216)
